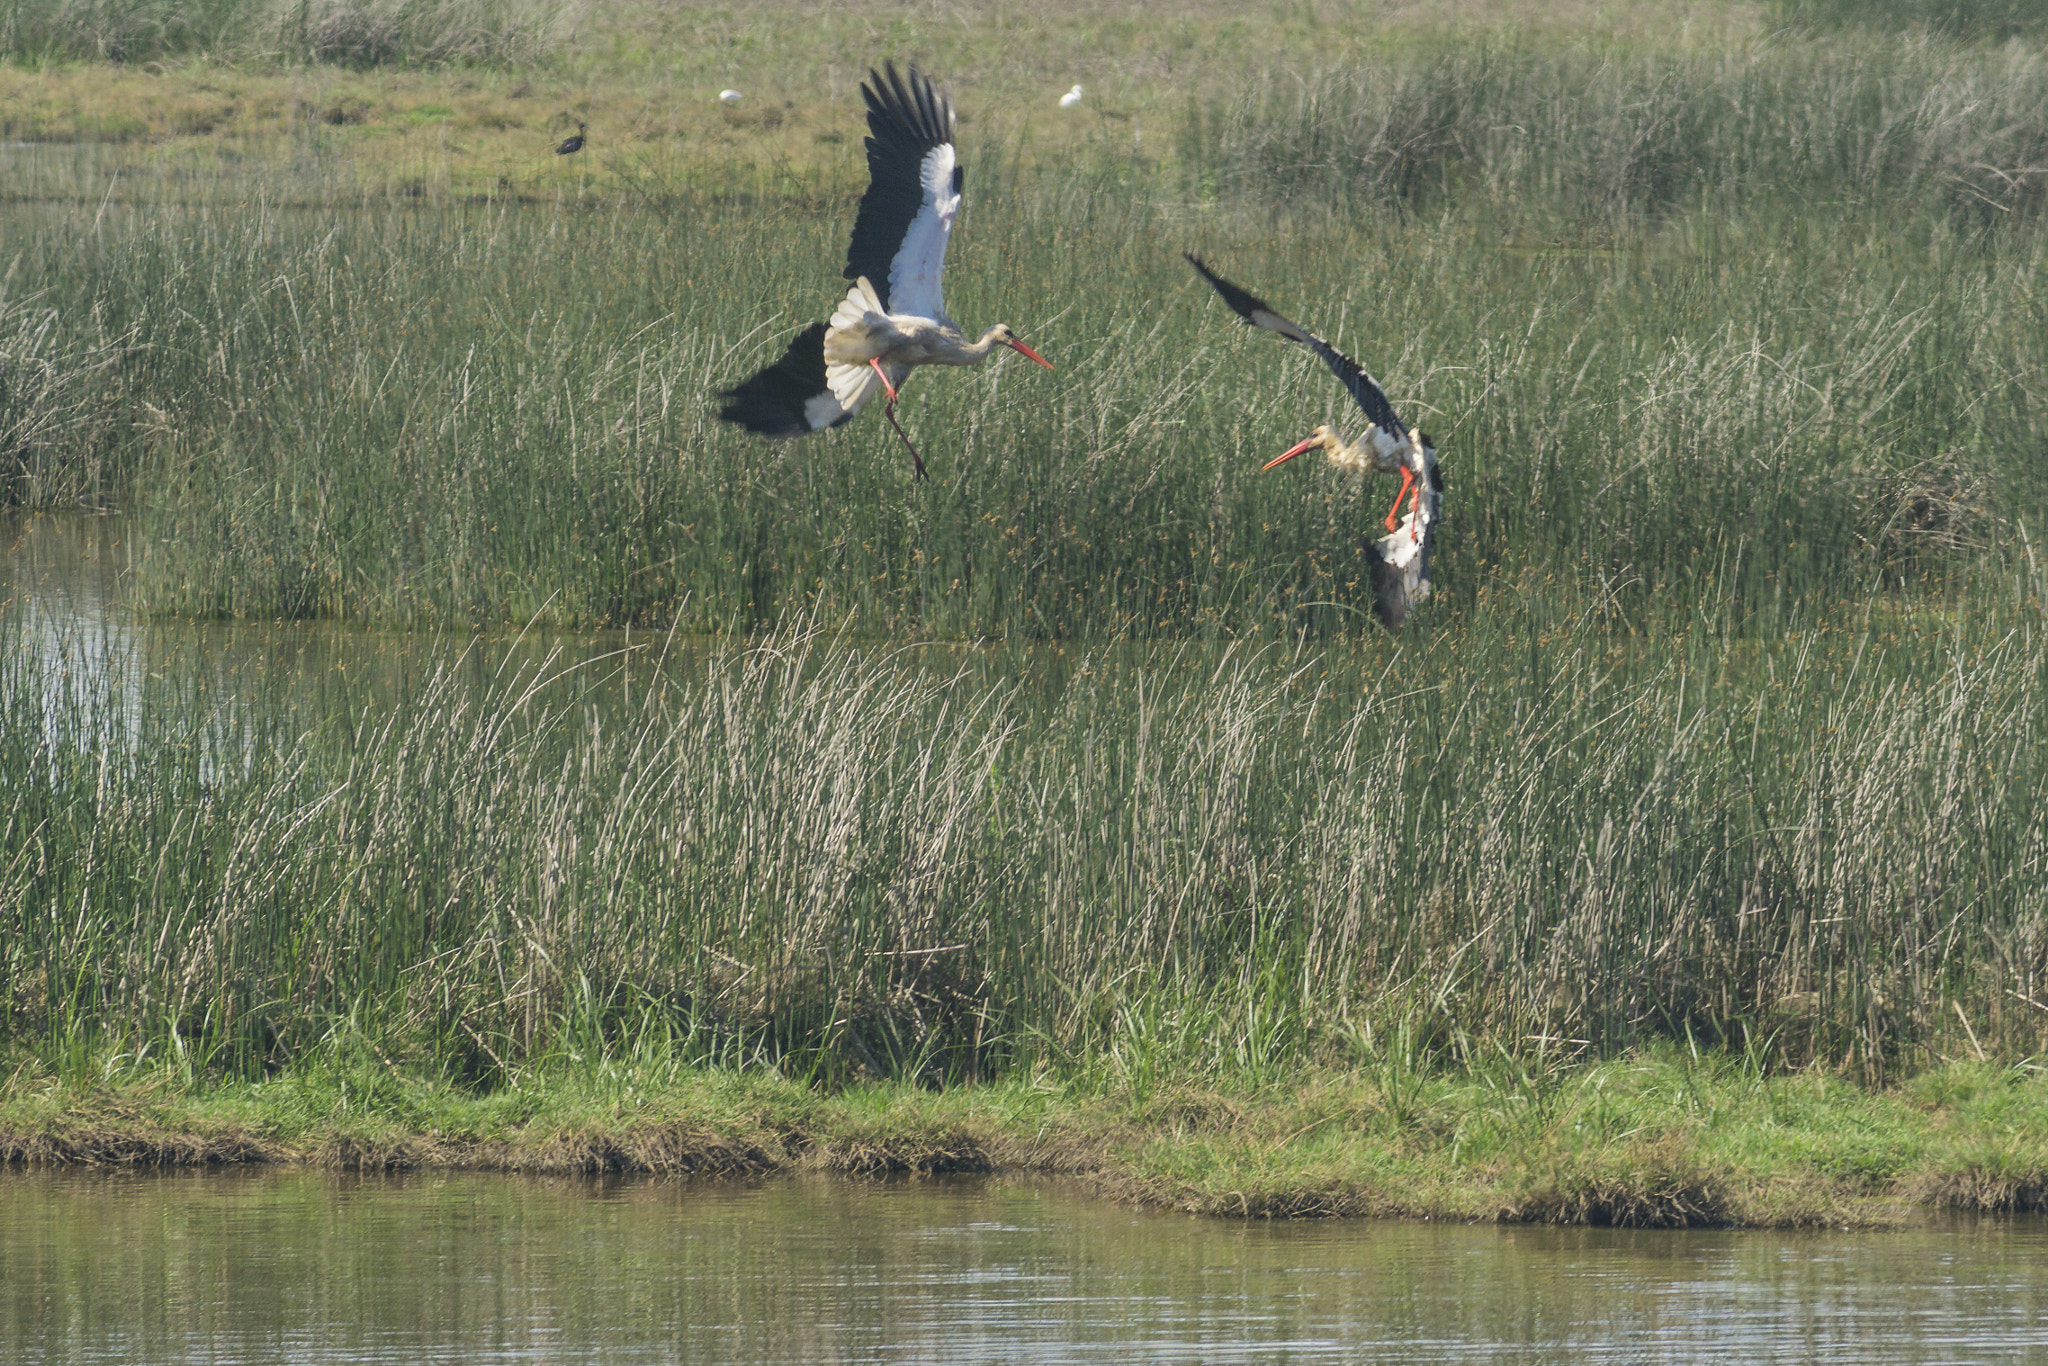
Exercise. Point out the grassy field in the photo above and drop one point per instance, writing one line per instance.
(1080, 772)
(1655, 328)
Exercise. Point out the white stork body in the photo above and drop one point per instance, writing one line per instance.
(894, 318)
(1389, 446)
(869, 348)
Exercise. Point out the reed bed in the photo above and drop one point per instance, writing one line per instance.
(1723, 729)
(1142, 861)
(1779, 308)
(64, 418)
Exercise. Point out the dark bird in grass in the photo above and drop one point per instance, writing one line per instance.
(1400, 558)
(571, 145)
(894, 318)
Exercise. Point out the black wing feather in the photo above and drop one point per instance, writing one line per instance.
(1364, 390)
(771, 402)
(906, 120)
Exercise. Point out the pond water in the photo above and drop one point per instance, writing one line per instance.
(314, 1267)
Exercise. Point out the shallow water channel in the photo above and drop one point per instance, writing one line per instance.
(306, 1266)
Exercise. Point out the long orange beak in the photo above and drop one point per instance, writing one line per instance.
(1025, 350)
(1308, 444)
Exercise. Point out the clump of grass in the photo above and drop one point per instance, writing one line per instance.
(357, 33)
(118, 30)
(1555, 139)
(61, 410)
(1975, 21)
(371, 33)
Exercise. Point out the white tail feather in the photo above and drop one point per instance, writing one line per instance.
(852, 385)
(859, 329)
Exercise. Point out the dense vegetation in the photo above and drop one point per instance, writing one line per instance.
(1785, 304)
(343, 32)
(1083, 760)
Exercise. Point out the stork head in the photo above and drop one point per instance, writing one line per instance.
(1001, 333)
(1323, 438)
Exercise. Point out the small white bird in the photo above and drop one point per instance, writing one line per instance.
(728, 97)
(1071, 99)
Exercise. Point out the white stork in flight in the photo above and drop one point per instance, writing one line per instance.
(894, 318)
(1400, 558)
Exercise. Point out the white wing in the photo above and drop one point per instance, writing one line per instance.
(914, 276)
(914, 182)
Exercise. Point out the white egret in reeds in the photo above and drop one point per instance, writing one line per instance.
(1071, 99)
(894, 318)
(728, 97)
(1388, 446)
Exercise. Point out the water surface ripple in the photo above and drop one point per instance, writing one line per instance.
(301, 1266)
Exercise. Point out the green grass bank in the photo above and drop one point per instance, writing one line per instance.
(1658, 1141)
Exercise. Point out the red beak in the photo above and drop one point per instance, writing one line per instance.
(1289, 454)
(1021, 347)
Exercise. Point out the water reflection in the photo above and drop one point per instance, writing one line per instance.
(312, 1267)
(63, 591)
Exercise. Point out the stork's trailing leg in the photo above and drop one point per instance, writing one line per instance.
(889, 411)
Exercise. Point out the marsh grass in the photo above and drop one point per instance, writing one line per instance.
(1147, 863)
(1970, 21)
(1775, 310)
(1084, 759)
(63, 416)
(356, 33)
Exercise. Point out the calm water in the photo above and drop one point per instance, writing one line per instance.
(315, 1267)
(64, 595)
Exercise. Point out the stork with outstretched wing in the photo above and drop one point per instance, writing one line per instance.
(894, 318)
(1388, 446)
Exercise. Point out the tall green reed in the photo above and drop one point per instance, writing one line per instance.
(852, 859)
(1555, 139)
(1812, 352)
(64, 417)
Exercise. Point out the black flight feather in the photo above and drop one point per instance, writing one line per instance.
(907, 118)
(771, 402)
(1364, 391)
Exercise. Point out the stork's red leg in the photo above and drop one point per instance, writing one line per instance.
(1407, 481)
(889, 411)
(887, 387)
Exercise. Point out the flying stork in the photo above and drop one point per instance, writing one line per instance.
(1389, 445)
(894, 318)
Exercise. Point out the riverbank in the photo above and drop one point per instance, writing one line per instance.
(1654, 1140)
